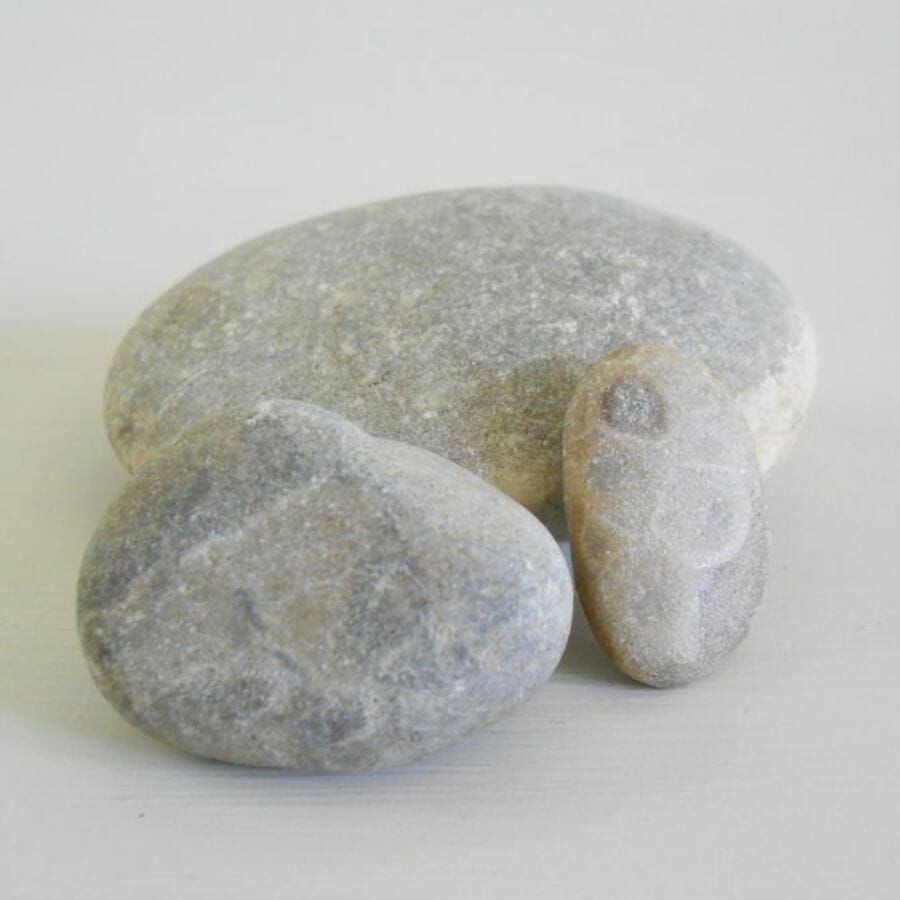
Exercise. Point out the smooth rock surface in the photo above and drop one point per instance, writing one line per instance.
(281, 589)
(665, 507)
(460, 322)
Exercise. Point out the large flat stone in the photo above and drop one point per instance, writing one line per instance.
(460, 322)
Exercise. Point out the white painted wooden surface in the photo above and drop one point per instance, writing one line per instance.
(141, 139)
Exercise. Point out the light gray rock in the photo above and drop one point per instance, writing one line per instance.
(281, 589)
(665, 509)
(460, 322)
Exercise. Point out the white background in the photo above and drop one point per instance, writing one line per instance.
(139, 139)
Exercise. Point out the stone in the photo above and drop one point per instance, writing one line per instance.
(280, 589)
(460, 322)
(664, 500)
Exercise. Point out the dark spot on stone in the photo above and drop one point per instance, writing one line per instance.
(228, 701)
(635, 407)
(463, 657)
(124, 430)
(247, 603)
(289, 664)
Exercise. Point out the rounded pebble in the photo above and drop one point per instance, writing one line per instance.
(281, 589)
(665, 508)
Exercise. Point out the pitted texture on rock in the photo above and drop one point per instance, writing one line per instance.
(460, 322)
(665, 512)
(281, 589)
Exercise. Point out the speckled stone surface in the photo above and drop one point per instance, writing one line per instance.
(281, 589)
(460, 322)
(665, 508)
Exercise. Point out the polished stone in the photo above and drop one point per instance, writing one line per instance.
(281, 589)
(665, 507)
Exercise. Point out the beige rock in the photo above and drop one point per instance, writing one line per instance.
(665, 510)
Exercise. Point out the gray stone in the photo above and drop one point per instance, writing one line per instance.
(281, 589)
(460, 322)
(665, 507)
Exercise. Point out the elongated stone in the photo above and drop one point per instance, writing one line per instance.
(281, 589)
(460, 322)
(665, 510)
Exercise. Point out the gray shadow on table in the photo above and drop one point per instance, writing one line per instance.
(584, 658)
